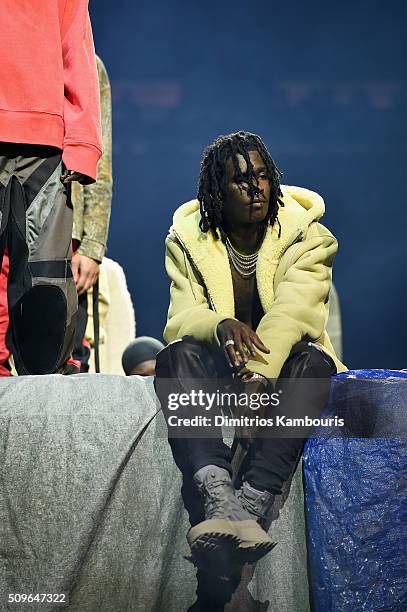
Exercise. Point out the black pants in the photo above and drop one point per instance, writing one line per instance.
(271, 460)
(36, 226)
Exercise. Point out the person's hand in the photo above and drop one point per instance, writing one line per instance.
(71, 175)
(239, 342)
(85, 272)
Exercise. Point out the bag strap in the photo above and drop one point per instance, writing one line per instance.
(95, 304)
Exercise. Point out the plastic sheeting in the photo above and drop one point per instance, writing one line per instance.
(356, 483)
(90, 504)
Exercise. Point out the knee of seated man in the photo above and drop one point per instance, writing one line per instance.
(312, 360)
(177, 353)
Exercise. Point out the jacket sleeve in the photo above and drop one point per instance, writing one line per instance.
(98, 196)
(300, 307)
(82, 142)
(189, 313)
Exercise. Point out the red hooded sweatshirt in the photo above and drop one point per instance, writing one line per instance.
(49, 92)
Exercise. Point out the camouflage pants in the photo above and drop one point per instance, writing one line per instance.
(36, 227)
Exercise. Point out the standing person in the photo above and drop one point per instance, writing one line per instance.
(250, 269)
(49, 138)
(91, 216)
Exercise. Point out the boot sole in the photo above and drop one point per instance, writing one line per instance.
(216, 554)
(227, 564)
(252, 555)
(238, 542)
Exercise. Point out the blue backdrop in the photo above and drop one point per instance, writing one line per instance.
(322, 83)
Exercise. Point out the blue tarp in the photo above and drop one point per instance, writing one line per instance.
(356, 496)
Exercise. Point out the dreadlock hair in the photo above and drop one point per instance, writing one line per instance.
(213, 179)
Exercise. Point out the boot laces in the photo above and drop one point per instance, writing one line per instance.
(221, 502)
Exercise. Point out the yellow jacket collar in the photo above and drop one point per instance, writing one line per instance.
(209, 256)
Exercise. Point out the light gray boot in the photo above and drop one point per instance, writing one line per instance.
(227, 524)
(257, 503)
(215, 485)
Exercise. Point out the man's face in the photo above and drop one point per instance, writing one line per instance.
(146, 368)
(237, 206)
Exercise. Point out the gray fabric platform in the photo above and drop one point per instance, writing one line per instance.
(90, 504)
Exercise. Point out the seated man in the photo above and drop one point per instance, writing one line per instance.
(251, 273)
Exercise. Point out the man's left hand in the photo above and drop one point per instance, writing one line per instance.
(85, 272)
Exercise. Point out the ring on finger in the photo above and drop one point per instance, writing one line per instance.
(229, 343)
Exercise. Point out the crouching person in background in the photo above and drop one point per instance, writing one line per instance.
(139, 357)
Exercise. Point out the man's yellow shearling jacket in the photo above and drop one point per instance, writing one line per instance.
(293, 274)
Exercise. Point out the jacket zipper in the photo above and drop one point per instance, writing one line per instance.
(196, 268)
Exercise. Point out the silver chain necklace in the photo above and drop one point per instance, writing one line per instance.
(245, 265)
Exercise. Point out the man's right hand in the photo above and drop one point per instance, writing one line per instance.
(85, 272)
(239, 342)
(71, 175)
